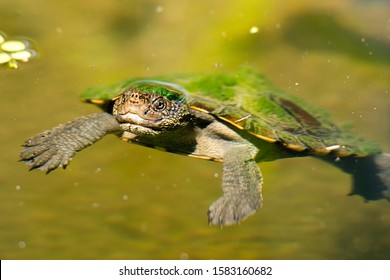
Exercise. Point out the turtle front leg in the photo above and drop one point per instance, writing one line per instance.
(55, 148)
(241, 185)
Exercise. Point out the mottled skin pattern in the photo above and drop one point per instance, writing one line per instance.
(155, 117)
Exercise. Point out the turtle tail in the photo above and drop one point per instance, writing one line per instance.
(371, 175)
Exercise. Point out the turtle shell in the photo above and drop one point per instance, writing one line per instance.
(246, 101)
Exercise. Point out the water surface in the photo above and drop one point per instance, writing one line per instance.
(120, 201)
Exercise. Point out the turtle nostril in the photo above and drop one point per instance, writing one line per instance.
(134, 97)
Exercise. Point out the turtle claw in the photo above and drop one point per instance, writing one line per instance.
(56, 147)
(42, 152)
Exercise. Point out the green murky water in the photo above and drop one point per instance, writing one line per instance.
(120, 201)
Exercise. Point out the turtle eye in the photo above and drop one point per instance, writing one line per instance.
(159, 104)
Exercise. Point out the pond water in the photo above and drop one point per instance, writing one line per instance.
(121, 201)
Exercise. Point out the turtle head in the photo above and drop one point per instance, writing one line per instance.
(153, 106)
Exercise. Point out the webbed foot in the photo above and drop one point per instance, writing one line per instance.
(232, 209)
(371, 175)
(55, 148)
(45, 152)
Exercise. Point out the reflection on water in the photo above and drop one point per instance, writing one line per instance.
(118, 201)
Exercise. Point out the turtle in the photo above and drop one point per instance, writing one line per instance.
(238, 119)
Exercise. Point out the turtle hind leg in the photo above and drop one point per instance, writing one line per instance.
(382, 163)
(241, 185)
(370, 175)
(56, 147)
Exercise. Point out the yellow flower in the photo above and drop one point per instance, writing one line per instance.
(13, 51)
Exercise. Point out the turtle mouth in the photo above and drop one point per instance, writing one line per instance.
(136, 119)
